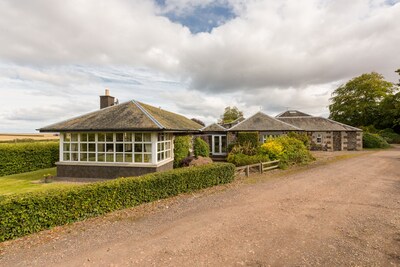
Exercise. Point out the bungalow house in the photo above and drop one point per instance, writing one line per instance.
(127, 139)
(219, 137)
(325, 134)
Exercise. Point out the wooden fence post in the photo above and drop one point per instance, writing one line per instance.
(247, 171)
(261, 167)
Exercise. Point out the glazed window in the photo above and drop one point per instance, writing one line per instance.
(319, 138)
(164, 146)
(107, 147)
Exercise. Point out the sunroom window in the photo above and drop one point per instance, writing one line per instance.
(115, 147)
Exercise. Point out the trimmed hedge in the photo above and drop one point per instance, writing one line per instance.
(26, 157)
(201, 148)
(32, 212)
(181, 149)
(248, 137)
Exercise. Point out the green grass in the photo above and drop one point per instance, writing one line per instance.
(28, 182)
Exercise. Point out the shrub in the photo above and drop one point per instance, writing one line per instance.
(245, 148)
(25, 157)
(242, 159)
(390, 136)
(201, 148)
(371, 140)
(303, 137)
(181, 149)
(248, 137)
(294, 151)
(273, 149)
(27, 213)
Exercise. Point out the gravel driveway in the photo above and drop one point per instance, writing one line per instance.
(341, 213)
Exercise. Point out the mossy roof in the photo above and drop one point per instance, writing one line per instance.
(128, 116)
(310, 123)
(262, 122)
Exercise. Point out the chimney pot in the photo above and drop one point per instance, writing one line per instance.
(107, 93)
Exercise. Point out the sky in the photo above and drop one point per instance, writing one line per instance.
(193, 57)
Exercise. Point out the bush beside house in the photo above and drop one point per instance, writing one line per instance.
(25, 157)
(23, 214)
(289, 150)
(371, 140)
(181, 149)
(248, 137)
(201, 148)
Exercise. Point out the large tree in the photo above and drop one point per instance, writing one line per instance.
(398, 72)
(389, 113)
(231, 114)
(357, 102)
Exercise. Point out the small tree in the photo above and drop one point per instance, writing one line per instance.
(231, 114)
(201, 148)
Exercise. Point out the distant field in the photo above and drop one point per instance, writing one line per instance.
(36, 137)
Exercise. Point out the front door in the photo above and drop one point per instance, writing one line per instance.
(218, 145)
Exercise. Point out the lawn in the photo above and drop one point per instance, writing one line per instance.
(28, 182)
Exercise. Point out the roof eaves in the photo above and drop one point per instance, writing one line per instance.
(159, 125)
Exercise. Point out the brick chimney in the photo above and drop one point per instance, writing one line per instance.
(106, 100)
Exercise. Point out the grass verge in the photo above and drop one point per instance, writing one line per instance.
(28, 182)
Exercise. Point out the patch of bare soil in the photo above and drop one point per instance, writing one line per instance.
(339, 213)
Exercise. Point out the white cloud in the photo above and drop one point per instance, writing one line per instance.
(274, 54)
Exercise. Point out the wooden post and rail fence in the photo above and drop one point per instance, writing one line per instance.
(262, 167)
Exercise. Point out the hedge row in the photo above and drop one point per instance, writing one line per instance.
(25, 157)
(32, 212)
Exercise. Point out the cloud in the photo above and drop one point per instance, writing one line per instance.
(268, 54)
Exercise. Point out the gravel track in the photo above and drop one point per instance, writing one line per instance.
(342, 213)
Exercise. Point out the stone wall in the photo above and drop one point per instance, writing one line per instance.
(108, 172)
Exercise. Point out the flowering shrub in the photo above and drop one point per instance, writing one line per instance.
(272, 148)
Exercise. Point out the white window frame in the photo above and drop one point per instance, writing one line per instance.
(130, 141)
(219, 136)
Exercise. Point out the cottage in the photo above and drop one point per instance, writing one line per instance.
(325, 134)
(125, 139)
(219, 137)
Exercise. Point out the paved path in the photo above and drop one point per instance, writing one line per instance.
(344, 213)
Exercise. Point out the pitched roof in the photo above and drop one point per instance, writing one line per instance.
(292, 113)
(262, 122)
(310, 123)
(128, 116)
(213, 128)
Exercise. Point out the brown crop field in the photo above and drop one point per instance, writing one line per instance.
(33, 136)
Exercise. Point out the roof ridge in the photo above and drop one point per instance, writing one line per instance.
(223, 128)
(159, 125)
(275, 119)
